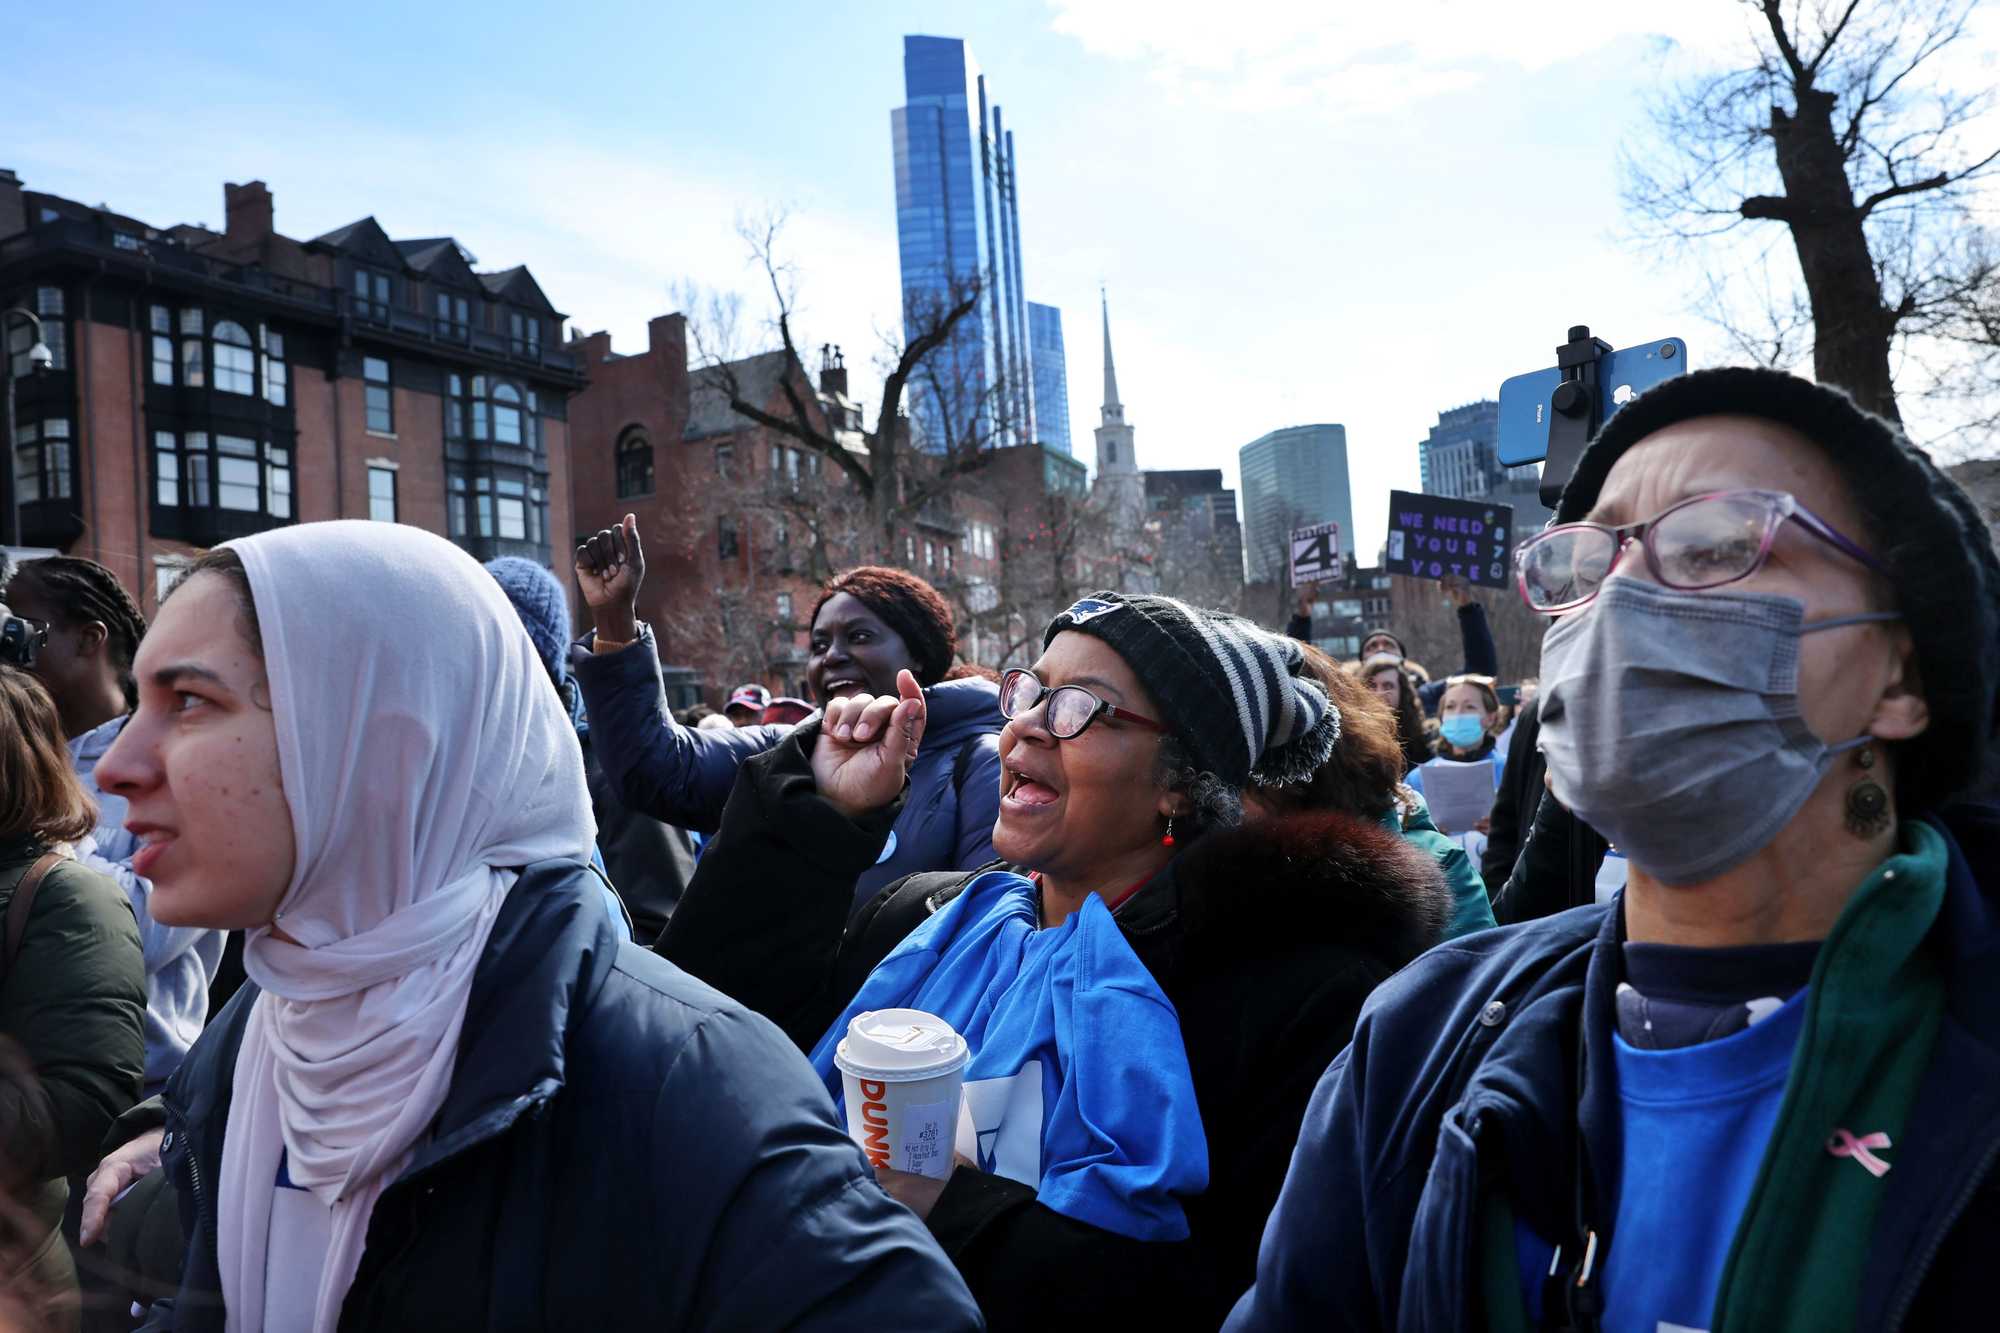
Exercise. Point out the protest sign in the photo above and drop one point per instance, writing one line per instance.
(1431, 536)
(1315, 554)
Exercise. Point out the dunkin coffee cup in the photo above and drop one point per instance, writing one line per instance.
(901, 1070)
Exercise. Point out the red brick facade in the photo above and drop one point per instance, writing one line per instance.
(149, 384)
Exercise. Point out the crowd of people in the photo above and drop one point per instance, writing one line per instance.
(377, 954)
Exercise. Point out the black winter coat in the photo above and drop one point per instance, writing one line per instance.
(621, 1147)
(1266, 940)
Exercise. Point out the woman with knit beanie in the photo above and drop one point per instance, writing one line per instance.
(1759, 1088)
(1148, 985)
(869, 624)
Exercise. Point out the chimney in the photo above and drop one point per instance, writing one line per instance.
(249, 212)
(13, 210)
(668, 333)
(832, 371)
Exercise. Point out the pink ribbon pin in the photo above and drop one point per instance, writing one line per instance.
(1844, 1144)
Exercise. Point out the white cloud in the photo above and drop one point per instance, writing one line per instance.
(1357, 58)
(611, 232)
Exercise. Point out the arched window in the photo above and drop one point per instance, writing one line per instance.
(1110, 451)
(635, 463)
(498, 415)
(506, 414)
(235, 363)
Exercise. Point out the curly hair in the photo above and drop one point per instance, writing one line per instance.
(1212, 802)
(1360, 776)
(909, 606)
(40, 795)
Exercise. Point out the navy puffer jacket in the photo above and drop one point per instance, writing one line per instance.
(680, 775)
(621, 1147)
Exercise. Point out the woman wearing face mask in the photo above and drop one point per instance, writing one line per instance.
(451, 1096)
(1148, 988)
(1760, 1088)
(1468, 733)
(870, 623)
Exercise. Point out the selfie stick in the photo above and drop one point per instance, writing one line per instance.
(1574, 409)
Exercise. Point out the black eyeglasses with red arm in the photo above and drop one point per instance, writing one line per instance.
(1071, 708)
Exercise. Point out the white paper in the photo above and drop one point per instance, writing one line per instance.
(1000, 1125)
(925, 1144)
(1459, 795)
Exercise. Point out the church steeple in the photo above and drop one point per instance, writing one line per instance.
(1114, 411)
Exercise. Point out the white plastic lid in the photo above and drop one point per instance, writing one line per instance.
(899, 1044)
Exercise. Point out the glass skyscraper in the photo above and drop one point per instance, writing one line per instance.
(1051, 372)
(1292, 478)
(958, 224)
(1461, 459)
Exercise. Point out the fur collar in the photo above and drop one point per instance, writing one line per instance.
(1347, 880)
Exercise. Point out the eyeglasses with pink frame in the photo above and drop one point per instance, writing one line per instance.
(1780, 507)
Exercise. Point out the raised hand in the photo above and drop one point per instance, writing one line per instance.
(610, 566)
(866, 746)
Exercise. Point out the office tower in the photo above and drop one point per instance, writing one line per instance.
(1292, 478)
(1459, 459)
(1051, 371)
(959, 229)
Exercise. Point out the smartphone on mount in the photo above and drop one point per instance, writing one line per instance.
(1621, 376)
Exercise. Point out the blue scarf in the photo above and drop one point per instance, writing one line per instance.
(1079, 1083)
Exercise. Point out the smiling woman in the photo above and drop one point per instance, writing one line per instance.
(869, 623)
(1148, 987)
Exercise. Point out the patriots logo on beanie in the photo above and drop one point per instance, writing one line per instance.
(1089, 609)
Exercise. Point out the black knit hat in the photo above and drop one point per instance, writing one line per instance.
(1927, 532)
(1232, 693)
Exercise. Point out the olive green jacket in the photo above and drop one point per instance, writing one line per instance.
(73, 1006)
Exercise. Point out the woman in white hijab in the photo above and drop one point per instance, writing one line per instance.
(452, 1095)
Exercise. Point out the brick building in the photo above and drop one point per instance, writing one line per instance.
(209, 385)
(744, 523)
(741, 524)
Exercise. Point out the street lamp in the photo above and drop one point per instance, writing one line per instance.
(39, 359)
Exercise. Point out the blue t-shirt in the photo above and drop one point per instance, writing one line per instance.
(1078, 1082)
(1696, 1120)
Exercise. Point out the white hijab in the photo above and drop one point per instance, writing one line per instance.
(423, 754)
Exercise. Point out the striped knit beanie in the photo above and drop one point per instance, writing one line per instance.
(1231, 692)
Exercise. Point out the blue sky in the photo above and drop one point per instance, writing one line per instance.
(1300, 215)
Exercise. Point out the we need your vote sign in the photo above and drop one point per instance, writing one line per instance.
(1431, 536)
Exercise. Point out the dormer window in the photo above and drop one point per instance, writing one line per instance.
(373, 293)
(524, 332)
(451, 316)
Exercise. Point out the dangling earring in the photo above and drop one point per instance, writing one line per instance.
(1168, 841)
(1867, 800)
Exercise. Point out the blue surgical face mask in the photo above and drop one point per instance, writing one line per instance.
(1463, 730)
(1671, 724)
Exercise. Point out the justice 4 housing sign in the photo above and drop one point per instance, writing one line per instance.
(1431, 536)
(1315, 553)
